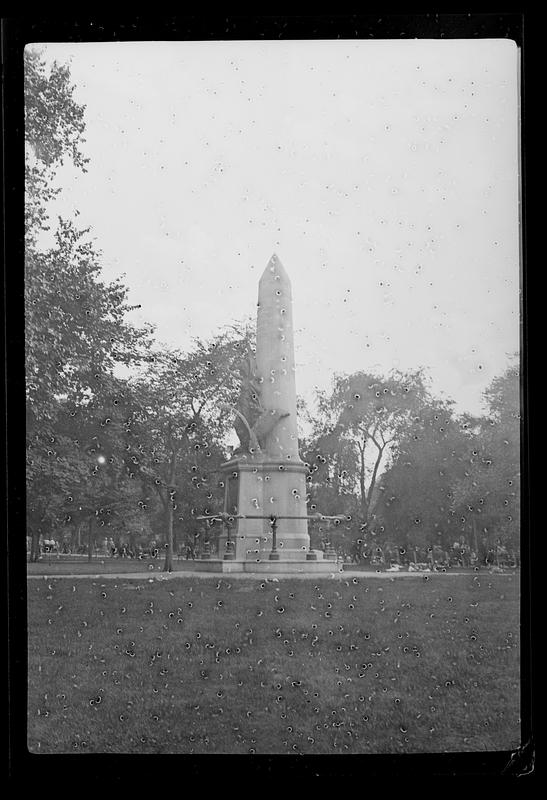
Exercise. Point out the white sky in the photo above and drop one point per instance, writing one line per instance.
(383, 173)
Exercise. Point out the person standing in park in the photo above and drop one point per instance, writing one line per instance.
(190, 551)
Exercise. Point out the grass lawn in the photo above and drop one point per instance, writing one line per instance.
(78, 565)
(81, 566)
(213, 665)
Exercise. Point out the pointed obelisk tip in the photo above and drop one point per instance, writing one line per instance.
(275, 267)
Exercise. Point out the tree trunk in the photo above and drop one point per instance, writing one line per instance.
(372, 483)
(175, 536)
(90, 539)
(336, 476)
(362, 487)
(168, 565)
(74, 538)
(35, 537)
(35, 545)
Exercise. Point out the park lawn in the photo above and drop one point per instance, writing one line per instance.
(105, 566)
(213, 665)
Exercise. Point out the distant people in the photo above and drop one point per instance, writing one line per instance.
(501, 555)
(378, 557)
(356, 553)
(440, 558)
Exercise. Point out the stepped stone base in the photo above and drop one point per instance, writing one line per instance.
(273, 567)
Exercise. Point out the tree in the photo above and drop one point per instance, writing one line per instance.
(100, 435)
(178, 424)
(362, 419)
(80, 475)
(54, 126)
(76, 330)
(330, 482)
(356, 428)
(416, 506)
(487, 496)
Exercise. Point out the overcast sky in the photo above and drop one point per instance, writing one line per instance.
(384, 174)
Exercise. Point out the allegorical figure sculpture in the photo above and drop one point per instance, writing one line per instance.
(253, 422)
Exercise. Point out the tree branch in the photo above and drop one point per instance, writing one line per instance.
(374, 475)
(378, 445)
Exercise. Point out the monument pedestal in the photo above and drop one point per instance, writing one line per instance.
(280, 567)
(264, 487)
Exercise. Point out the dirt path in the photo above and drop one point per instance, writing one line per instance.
(336, 575)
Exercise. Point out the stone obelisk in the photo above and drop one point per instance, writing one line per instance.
(270, 480)
(275, 359)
